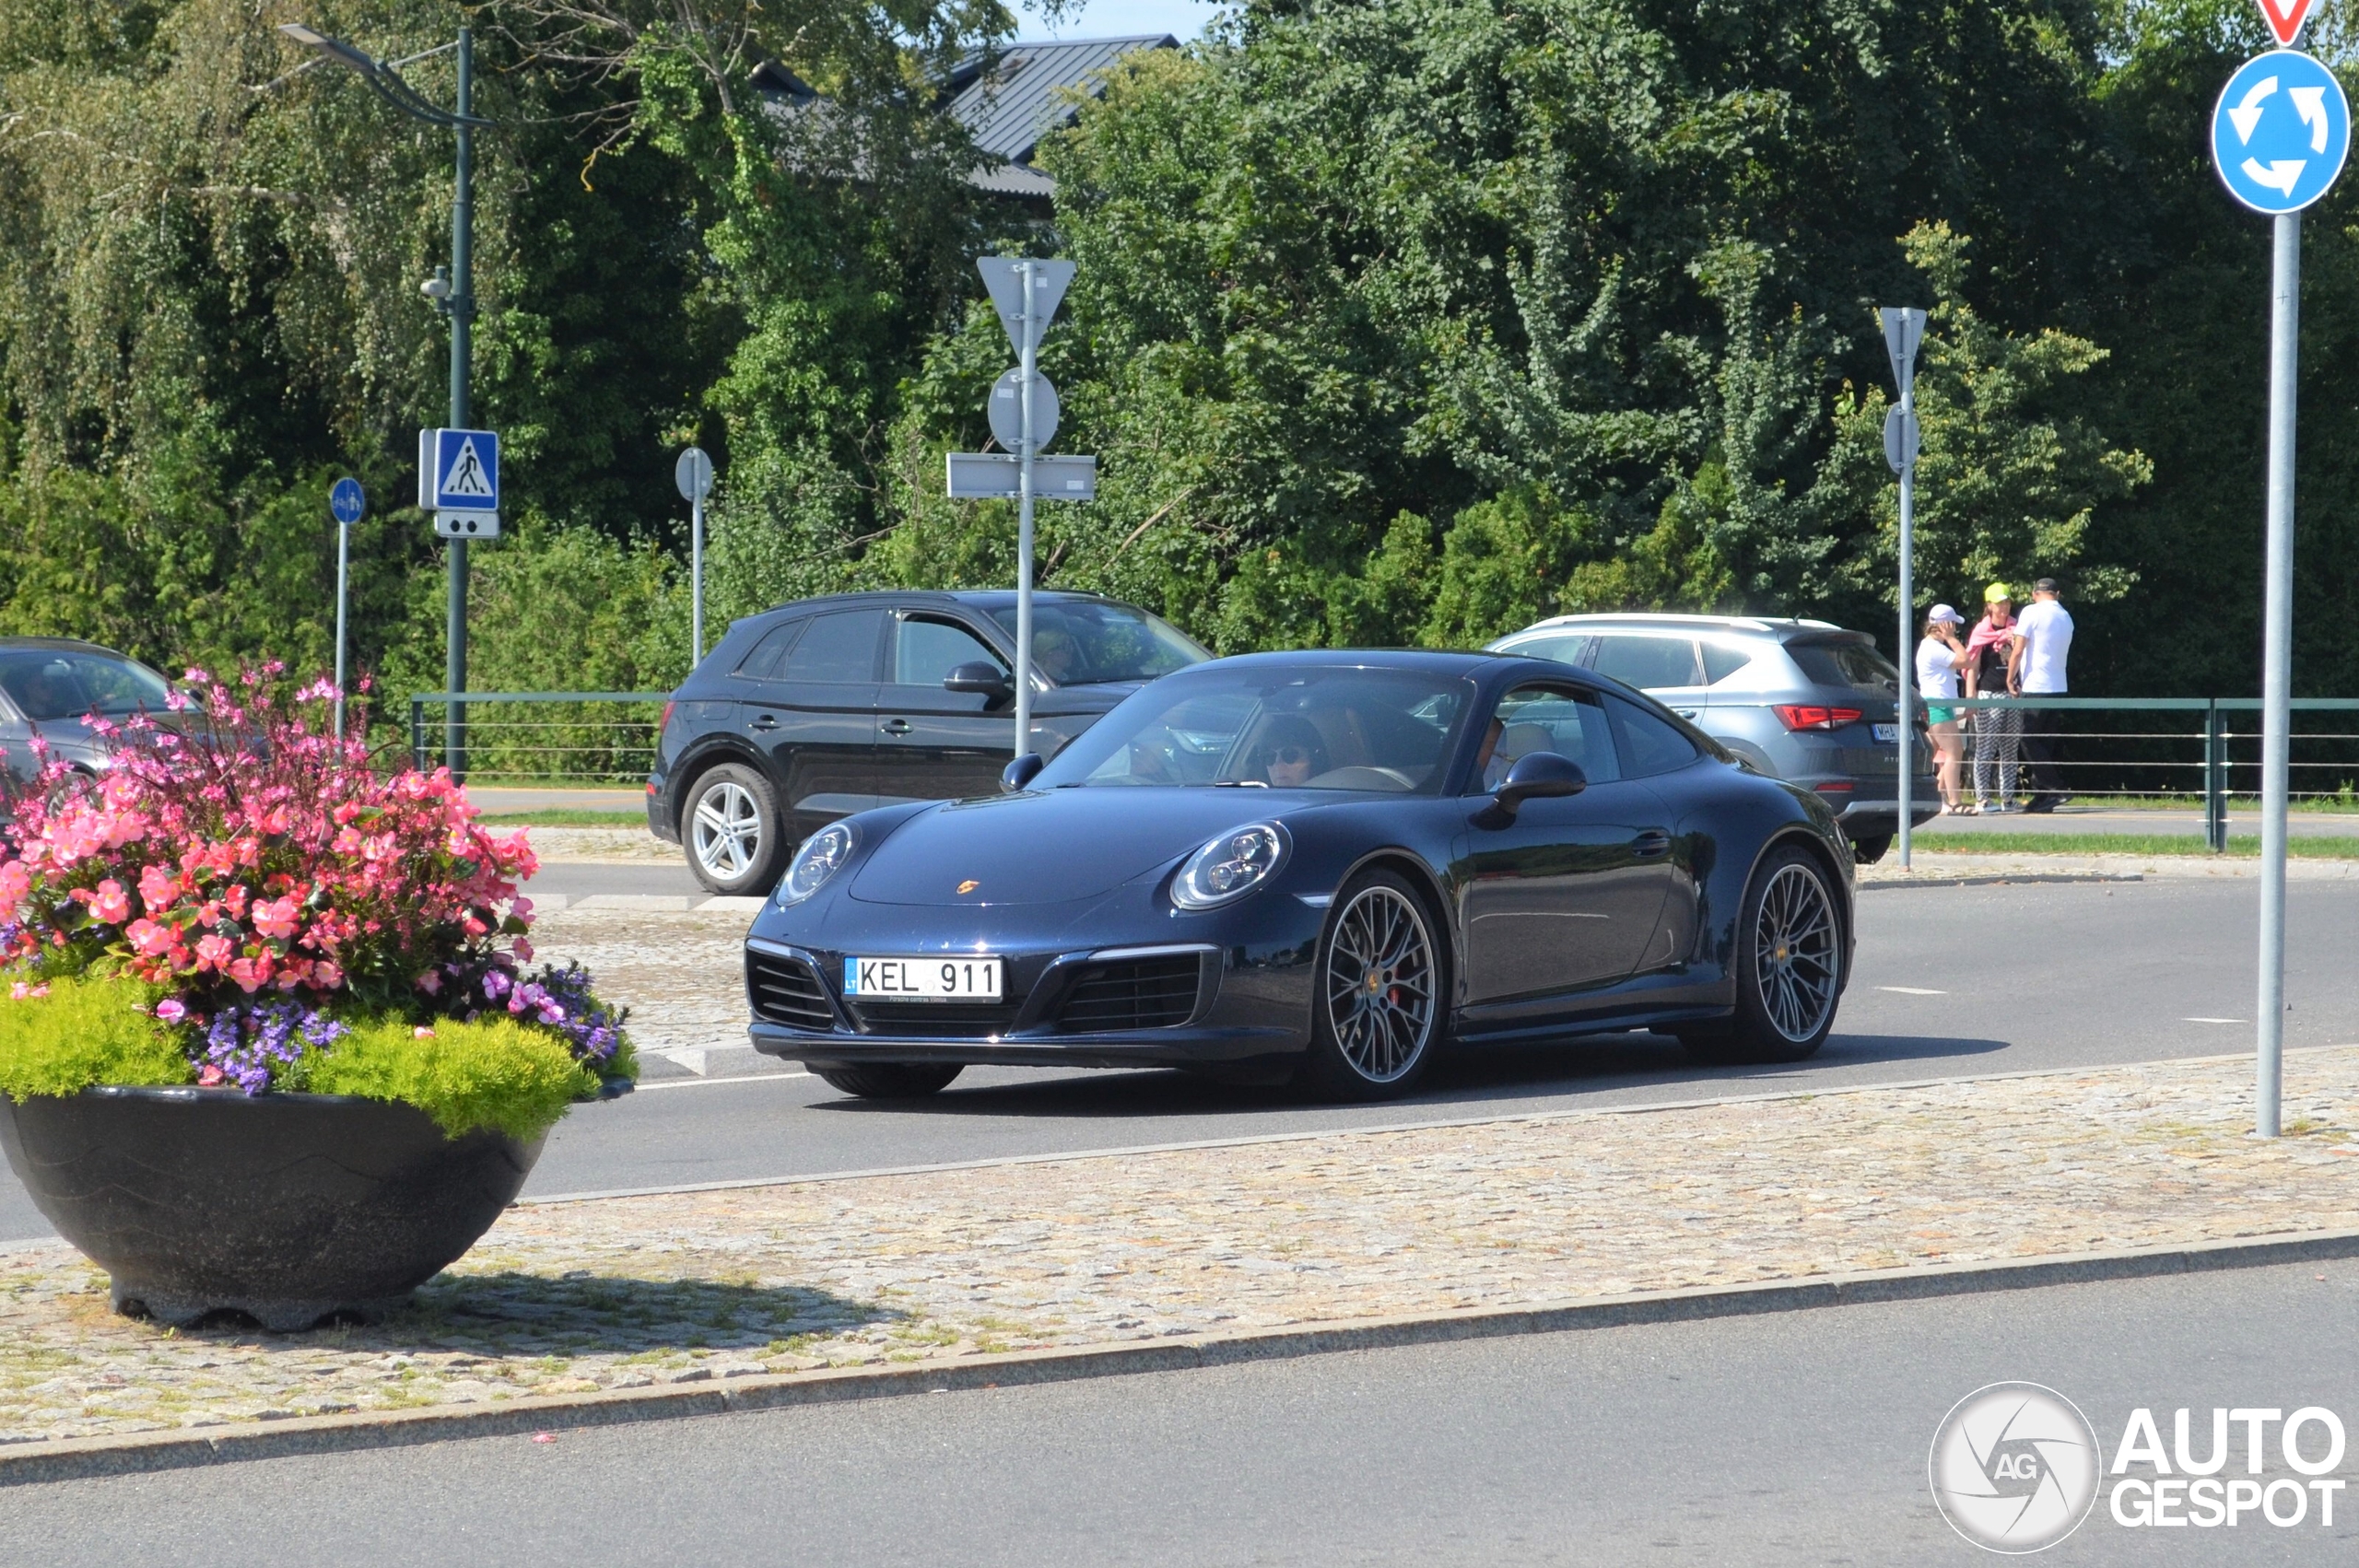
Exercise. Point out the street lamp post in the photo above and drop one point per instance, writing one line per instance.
(452, 293)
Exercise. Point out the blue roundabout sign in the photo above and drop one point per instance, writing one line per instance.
(2280, 132)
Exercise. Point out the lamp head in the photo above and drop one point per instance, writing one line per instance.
(438, 288)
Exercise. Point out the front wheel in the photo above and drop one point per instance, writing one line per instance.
(891, 1080)
(732, 830)
(1789, 966)
(1377, 1015)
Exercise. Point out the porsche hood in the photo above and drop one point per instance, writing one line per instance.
(1054, 847)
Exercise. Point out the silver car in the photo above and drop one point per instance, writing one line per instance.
(1805, 701)
(50, 686)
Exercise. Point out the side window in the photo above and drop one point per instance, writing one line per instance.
(1720, 663)
(1564, 650)
(838, 648)
(926, 651)
(767, 659)
(1566, 720)
(1650, 745)
(1648, 662)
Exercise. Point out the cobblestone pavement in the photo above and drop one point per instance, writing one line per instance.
(680, 974)
(615, 1293)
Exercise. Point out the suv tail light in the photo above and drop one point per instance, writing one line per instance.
(1808, 716)
(665, 722)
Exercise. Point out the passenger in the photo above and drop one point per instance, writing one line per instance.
(1940, 657)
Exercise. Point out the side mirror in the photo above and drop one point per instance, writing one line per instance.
(1017, 773)
(980, 677)
(1538, 776)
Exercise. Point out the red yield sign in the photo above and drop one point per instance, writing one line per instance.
(2285, 18)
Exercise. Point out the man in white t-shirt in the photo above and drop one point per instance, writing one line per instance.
(2044, 640)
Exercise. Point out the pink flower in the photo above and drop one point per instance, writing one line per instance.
(172, 1010)
(209, 1075)
(20, 991)
(422, 1032)
(276, 919)
(523, 949)
(16, 881)
(522, 907)
(156, 887)
(251, 974)
(147, 937)
(213, 951)
(326, 976)
(112, 904)
(430, 982)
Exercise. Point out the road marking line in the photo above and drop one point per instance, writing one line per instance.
(699, 1083)
(1911, 990)
(2215, 1019)
(1642, 1108)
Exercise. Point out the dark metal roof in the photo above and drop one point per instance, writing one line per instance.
(1009, 109)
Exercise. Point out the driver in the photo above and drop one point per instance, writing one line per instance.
(1291, 752)
(1054, 653)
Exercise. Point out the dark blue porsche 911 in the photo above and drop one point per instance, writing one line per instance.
(1322, 867)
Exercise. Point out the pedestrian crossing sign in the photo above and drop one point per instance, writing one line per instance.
(459, 471)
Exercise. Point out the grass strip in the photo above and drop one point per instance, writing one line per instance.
(564, 816)
(2245, 845)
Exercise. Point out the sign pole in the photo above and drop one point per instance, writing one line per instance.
(460, 305)
(1907, 660)
(2277, 661)
(695, 586)
(1028, 361)
(343, 580)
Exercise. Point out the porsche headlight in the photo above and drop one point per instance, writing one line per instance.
(1230, 866)
(819, 858)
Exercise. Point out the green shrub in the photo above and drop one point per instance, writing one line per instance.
(85, 1031)
(494, 1072)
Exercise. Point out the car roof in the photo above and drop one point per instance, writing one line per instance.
(973, 598)
(1440, 662)
(1784, 629)
(60, 643)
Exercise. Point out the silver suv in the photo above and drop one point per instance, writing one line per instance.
(1805, 701)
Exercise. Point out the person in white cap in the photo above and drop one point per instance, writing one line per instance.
(1938, 659)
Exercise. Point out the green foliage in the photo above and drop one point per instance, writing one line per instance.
(494, 1072)
(86, 1030)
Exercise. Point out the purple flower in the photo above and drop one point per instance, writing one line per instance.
(172, 1010)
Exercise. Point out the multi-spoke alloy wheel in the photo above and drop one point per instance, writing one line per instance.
(1797, 958)
(728, 830)
(1380, 984)
(734, 841)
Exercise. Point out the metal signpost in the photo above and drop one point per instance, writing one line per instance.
(1904, 329)
(2280, 134)
(452, 292)
(693, 475)
(1024, 413)
(346, 503)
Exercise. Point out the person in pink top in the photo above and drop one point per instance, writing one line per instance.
(1989, 672)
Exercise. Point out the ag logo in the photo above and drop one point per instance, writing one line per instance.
(969, 885)
(2015, 1467)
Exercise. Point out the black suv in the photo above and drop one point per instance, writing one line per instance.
(827, 706)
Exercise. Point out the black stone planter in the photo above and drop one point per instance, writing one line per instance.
(290, 1208)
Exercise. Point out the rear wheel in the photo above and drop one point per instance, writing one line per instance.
(891, 1080)
(1871, 850)
(1789, 966)
(732, 830)
(1377, 1014)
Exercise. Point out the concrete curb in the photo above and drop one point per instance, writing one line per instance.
(1985, 878)
(80, 1459)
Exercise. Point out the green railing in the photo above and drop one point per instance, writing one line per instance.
(2195, 759)
(550, 737)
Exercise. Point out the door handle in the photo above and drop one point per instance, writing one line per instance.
(1652, 842)
(896, 726)
(766, 721)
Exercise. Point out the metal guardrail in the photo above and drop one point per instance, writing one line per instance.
(565, 747)
(2211, 773)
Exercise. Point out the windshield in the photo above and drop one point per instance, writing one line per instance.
(1312, 727)
(1082, 642)
(49, 683)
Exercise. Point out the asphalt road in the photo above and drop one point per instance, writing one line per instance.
(1950, 981)
(1792, 1438)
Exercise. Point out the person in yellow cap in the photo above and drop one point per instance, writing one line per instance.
(1989, 672)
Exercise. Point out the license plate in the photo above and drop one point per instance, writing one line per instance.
(922, 979)
(1888, 732)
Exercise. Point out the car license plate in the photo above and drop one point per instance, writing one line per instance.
(1888, 732)
(922, 979)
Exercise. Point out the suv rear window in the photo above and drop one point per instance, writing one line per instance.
(1854, 665)
(1647, 662)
